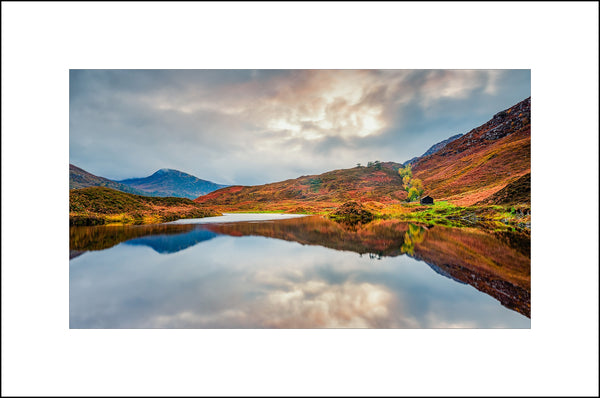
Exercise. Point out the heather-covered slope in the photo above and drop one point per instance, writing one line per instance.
(100, 205)
(379, 182)
(516, 192)
(168, 182)
(483, 161)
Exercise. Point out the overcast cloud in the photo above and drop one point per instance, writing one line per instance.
(258, 126)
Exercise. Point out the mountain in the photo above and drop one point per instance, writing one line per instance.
(168, 182)
(79, 178)
(434, 148)
(378, 182)
(481, 162)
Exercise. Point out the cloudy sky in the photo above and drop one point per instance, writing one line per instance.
(258, 126)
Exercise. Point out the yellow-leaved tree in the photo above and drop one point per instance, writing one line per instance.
(413, 186)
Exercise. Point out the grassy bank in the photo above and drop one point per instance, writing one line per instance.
(100, 205)
(448, 214)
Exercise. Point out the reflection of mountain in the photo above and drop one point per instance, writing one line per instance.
(492, 262)
(173, 243)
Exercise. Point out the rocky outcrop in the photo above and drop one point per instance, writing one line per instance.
(352, 211)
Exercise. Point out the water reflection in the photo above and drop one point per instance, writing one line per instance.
(231, 275)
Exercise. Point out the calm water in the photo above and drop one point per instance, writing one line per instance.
(276, 271)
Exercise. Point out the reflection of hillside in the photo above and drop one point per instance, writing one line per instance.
(383, 237)
(495, 263)
(486, 261)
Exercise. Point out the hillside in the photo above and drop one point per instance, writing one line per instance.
(101, 205)
(433, 149)
(168, 182)
(483, 161)
(518, 191)
(79, 178)
(324, 192)
(464, 170)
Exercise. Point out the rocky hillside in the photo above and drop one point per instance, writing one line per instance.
(168, 182)
(483, 161)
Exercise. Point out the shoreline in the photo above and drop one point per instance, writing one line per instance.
(442, 213)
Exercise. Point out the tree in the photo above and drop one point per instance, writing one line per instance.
(413, 194)
(418, 185)
(405, 171)
(413, 186)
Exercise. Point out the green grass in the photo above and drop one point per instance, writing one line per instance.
(447, 214)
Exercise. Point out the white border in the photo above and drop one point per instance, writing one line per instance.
(558, 41)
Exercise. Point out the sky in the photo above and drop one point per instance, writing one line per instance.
(251, 127)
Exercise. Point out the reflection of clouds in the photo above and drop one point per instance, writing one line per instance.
(190, 319)
(315, 304)
(309, 304)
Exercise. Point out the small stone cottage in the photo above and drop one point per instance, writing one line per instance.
(427, 200)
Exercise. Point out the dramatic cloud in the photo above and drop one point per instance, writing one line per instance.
(253, 127)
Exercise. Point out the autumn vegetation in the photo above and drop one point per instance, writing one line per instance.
(101, 205)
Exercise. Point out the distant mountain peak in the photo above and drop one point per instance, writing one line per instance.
(167, 171)
(170, 182)
(434, 148)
